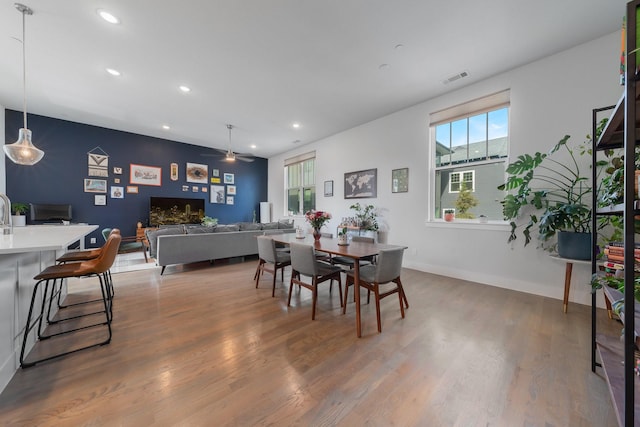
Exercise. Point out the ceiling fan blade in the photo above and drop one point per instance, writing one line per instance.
(244, 159)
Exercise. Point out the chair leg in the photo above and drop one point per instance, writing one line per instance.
(376, 291)
(346, 294)
(404, 296)
(273, 285)
(339, 288)
(293, 274)
(315, 298)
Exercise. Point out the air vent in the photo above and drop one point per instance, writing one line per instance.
(455, 77)
(297, 141)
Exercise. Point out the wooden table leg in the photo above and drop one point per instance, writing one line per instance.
(567, 285)
(356, 289)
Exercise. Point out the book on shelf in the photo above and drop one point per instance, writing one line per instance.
(620, 258)
(621, 244)
(617, 250)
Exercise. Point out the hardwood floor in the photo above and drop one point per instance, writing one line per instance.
(203, 347)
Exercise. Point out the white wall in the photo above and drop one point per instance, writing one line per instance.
(3, 171)
(549, 98)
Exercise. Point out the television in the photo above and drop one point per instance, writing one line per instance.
(41, 212)
(175, 210)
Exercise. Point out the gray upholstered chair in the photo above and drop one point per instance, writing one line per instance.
(270, 260)
(349, 262)
(387, 270)
(304, 263)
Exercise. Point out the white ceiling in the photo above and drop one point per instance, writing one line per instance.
(262, 65)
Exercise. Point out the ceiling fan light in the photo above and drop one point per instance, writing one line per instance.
(23, 152)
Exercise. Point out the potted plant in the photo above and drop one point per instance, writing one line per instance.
(207, 221)
(18, 219)
(552, 195)
(343, 236)
(449, 215)
(365, 217)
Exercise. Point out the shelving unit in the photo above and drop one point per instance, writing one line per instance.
(622, 131)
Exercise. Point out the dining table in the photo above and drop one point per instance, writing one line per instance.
(354, 250)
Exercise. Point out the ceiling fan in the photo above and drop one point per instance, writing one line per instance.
(229, 155)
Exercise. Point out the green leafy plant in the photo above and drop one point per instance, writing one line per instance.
(598, 281)
(552, 195)
(465, 201)
(366, 216)
(19, 208)
(207, 221)
(449, 211)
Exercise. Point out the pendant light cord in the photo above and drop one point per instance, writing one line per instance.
(24, 69)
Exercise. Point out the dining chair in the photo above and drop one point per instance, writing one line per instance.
(270, 260)
(387, 270)
(350, 262)
(304, 263)
(129, 244)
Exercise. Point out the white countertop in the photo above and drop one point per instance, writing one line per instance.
(34, 238)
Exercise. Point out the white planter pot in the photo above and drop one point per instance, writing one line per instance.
(18, 220)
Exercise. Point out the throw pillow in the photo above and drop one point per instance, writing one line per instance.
(270, 226)
(226, 228)
(152, 237)
(250, 226)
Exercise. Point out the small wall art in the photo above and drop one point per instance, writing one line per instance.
(361, 184)
(231, 190)
(215, 172)
(132, 189)
(197, 173)
(98, 162)
(95, 185)
(145, 175)
(229, 178)
(229, 200)
(328, 188)
(100, 200)
(117, 192)
(173, 171)
(400, 180)
(217, 194)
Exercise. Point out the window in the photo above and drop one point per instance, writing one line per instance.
(470, 145)
(300, 183)
(466, 177)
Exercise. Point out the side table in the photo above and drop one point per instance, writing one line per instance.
(567, 276)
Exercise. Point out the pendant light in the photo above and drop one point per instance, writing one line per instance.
(23, 152)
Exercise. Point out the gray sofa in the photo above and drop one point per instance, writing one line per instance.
(186, 244)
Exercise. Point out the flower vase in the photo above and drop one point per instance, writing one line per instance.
(316, 234)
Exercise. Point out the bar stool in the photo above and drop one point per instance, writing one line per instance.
(97, 267)
(78, 256)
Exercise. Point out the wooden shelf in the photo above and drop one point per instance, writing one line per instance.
(613, 134)
(617, 209)
(611, 353)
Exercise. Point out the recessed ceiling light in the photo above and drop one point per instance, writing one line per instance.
(253, 146)
(185, 89)
(166, 127)
(113, 72)
(107, 16)
(296, 125)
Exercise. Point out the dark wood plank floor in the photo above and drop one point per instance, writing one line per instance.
(201, 346)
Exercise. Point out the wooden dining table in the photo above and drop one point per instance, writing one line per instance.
(354, 250)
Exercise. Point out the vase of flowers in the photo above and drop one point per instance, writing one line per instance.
(317, 219)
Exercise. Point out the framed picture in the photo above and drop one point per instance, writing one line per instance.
(95, 185)
(217, 194)
(195, 188)
(117, 192)
(133, 189)
(361, 184)
(229, 200)
(215, 172)
(173, 171)
(328, 188)
(100, 200)
(215, 180)
(117, 171)
(145, 175)
(185, 188)
(231, 190)
(400, 180)
(228, 178)
(204, 189)
(116, 180)
(197, 173)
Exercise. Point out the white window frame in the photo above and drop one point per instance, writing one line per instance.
(468, 109)
(300, 159)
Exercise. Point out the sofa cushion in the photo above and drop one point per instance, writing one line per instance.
(284, 224)
(198, 229)
(250, 226)
(226, 228)
(152, 237)
(270, 226)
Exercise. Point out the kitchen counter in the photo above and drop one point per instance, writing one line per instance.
(23, 255)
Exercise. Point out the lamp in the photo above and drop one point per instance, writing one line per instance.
(23, 152)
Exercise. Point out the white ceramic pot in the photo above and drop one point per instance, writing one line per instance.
(18, 220)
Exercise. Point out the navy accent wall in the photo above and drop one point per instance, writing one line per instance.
(59, 176)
